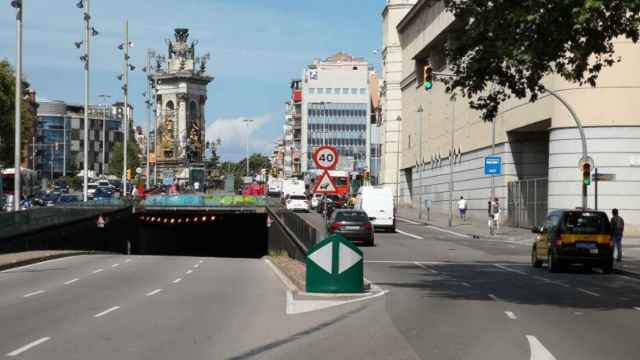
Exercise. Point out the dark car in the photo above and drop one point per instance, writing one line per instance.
(69, 199)
(353, 225)
(103, 193)
(52, 198)
(574, 236)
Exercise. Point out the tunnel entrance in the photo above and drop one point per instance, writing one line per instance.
(198, 233)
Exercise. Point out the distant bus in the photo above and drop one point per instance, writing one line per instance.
(29, 181)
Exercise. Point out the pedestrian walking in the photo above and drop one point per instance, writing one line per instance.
(462, 208)
(494, 215)
(617, 230)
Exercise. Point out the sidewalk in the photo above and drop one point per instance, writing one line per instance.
(479, 229)
(12, 260)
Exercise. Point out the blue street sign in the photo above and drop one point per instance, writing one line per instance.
(492, 165)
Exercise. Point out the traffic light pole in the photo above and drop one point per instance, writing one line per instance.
(583, 138)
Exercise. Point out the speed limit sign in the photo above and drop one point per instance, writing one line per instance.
(326, 157)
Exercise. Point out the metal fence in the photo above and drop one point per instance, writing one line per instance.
(291, 233)
(528, 204)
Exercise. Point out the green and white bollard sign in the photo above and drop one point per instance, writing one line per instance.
(335, 265)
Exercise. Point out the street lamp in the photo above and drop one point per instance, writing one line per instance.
(86, 57)
(248, 121)
(148, 95)
(17, 4)
(125, 89)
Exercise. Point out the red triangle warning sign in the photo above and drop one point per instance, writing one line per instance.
(325, 184)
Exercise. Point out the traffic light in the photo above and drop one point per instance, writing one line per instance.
(586, 174)
(128, 174)
(428, 77)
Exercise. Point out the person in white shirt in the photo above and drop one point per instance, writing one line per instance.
(462, 207)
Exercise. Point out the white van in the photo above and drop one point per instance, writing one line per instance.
(377, 202)
(274, 187)
(292, 187)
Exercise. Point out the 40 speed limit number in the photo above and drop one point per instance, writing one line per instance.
(326, 157)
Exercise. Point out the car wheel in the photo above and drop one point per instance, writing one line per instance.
(535, 262)
(553, 265)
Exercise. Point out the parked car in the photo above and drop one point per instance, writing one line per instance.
(573, 236)
(353, 225)
(297, 203)
(377, 202)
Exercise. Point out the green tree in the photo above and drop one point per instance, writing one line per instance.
(257, 162)
(7, 114)
(133, 161)
(503, 48)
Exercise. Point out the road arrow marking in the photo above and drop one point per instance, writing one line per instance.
(348, 258)
(323, 257)
(538, 351)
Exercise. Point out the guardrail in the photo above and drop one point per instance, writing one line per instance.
(291, 233)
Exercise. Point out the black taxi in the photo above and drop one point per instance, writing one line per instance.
(574, 236)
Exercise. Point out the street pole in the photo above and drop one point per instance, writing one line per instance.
(398, 173)
(64, 147)
(87, 39)
(18, 107)
(583, 138)
(104, 131)
(125, 127)
(493, 153)
(419, 161)
(453, 130)
(247, 121)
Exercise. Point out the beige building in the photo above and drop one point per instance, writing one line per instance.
(538, 142)
(391, 100)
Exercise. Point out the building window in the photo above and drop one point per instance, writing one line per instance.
(312, 90)
(328, 90)
(354, 91)
(409, 142)
(345, 91)
(320, 91)
(363, 91)
(337, 91)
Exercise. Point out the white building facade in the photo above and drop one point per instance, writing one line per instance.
(336, 111)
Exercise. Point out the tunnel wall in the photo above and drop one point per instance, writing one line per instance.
(80, 234)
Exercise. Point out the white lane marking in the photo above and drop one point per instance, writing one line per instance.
(408, 221)
(449, 232)
(466, 284)
(97, 271)
(200, 262)
(28, 346)
(509, 269)
(297, 306)
(115, 265)
(511, 315)
(34, 293)
(493, 297)
(538, 351)
(106, 311)
(154, 292)
(588, 292)
(189, 272)
(128, 260)
(177, 280)
(425, 267)
(637, 308)
(71, 281)
(409, 235)
(196, 265)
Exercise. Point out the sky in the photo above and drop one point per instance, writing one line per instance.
(256, 46)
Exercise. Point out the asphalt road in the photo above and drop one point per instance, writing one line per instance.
(450, 297)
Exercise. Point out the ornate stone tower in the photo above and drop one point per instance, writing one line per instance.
(180, 83)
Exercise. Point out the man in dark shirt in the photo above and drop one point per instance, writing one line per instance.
(617, 229)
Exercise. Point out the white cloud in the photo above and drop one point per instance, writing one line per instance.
(233, 134)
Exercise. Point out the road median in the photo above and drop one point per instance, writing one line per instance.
(13, 260)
